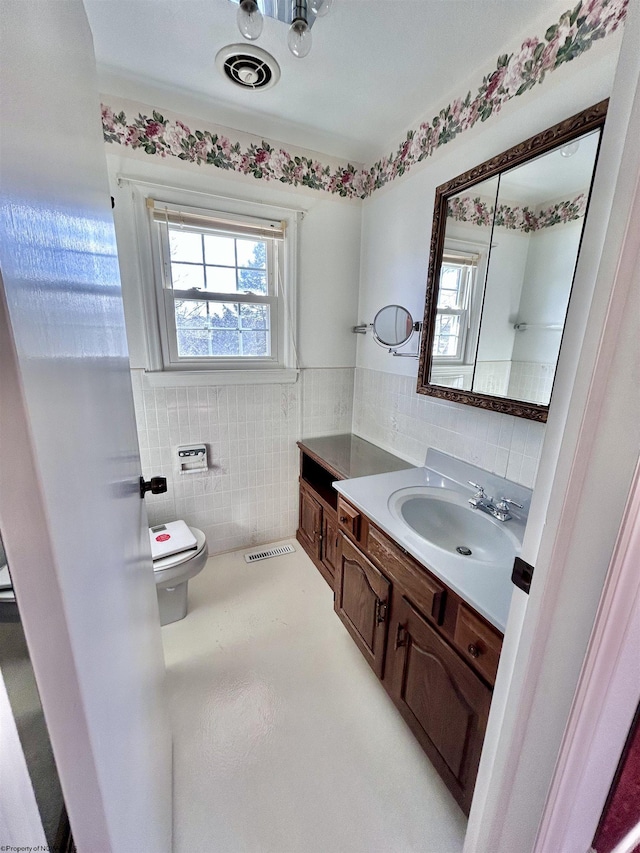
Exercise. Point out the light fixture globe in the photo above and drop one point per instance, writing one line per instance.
(299, 38)
(250, 20)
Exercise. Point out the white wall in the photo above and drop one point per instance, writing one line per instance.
(396, 232)
(329, 256)
(249, 495)
(507, 271)
(351, 254)
(550, 266)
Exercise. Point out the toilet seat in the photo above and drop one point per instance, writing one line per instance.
(184, 565)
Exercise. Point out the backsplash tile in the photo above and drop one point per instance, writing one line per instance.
(388, 412)
(327, 401)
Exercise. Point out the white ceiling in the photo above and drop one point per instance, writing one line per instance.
(376, 67)
(553, 176)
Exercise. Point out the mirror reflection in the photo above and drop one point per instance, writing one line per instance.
(506, 249)
(392, 326)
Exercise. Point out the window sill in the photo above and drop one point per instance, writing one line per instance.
(203, 378)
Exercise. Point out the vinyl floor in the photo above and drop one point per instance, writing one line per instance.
(284, 740)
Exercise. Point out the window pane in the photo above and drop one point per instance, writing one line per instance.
(225, 343)
(447, 334)
(192, 343)
(186, 276)
(254, 316)
(449, 294)
(252, 253)
(207, 328)
(191, 323)
(219, 250)
(255, 343)
(224, 315)
(221, 328)
(221, 279)
(185, 246)
(252, 281)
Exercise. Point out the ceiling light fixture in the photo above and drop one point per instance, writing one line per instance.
(250, 19)
(300, 14)
(299, 38)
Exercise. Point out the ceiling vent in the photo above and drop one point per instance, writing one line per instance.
(248, 67)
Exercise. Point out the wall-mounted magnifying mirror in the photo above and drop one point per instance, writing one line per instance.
(504, 249)
(392, 326)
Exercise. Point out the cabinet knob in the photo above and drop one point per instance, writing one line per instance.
(343, 519)
(473, 650)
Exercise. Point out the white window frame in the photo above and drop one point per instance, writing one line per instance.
(477, 255)
(169, 295)
(469, 273)
(164, 368)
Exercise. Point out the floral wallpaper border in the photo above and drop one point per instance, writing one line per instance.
(479, 212)
(515, 73)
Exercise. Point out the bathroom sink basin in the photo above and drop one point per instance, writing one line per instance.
(444, 518)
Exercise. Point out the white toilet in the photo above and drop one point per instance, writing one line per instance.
(172, 572)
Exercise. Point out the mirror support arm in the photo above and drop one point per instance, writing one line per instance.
(417, 327)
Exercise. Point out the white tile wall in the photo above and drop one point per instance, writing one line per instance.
(492, 377)
(388, 412)
(327, 401)
(249, 495)
(531, 380)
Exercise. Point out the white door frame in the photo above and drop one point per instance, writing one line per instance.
(605, 703)
(590, 454)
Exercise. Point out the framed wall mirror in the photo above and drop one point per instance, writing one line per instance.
(504, 248)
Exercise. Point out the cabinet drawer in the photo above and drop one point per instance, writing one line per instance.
(349, 519)
(423, 590)
(479, 644)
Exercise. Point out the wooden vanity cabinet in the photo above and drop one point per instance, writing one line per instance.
(436, 656)
(323, 461)
(442, 700)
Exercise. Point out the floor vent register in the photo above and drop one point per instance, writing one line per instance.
(264, 554)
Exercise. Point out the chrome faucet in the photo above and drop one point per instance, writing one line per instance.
(482, 501)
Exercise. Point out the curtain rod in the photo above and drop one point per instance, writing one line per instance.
(125, 179)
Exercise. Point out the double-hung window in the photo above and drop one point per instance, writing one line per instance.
(457, 280)
(220, 289)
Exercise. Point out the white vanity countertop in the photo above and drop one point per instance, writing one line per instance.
(486, 587)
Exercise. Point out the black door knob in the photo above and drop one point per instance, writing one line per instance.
(156, 485)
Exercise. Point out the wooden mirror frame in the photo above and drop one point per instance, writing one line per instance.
(560, 134)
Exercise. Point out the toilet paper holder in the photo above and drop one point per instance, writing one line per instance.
(192, 458)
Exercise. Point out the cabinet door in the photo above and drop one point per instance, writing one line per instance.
(310, 528)
(329, 542)
(361, 602)
(441, 698)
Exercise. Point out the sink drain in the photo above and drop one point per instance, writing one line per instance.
(462, 549)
